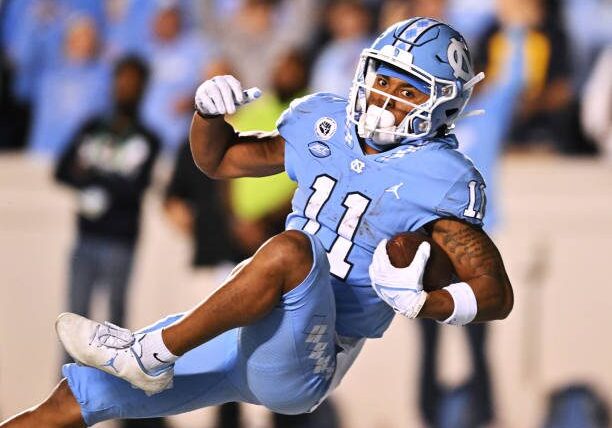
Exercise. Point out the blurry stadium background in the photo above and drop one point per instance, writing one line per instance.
(551, 204)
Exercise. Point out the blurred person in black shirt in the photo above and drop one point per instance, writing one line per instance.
(14, 118)
(196, 205)
(109, 164)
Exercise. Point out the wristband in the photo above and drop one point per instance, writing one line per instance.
(465, 304)
(206, 116)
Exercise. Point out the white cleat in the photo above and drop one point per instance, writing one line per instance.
(109, 348)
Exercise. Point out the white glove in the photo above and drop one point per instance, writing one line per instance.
(221, 94)
(400, 288)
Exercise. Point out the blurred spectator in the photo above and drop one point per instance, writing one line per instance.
(256, 219)
(177, 57)
(109, 164)
(436, 9)
(393, 11)
(471, 17)
(258, 32)
(482, 140)
(12, 129)
(33, 33)
(499, 97)
(546, 104)
(70, 93)
(348, 22)
(577, 405)
(597, 103)
(129, 24)
(197, 206)
(23, 62)
(589, 26)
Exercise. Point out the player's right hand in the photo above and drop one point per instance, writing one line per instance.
(400, 288)
(221, 94)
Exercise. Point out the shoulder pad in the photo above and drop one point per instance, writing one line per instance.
(319, 103)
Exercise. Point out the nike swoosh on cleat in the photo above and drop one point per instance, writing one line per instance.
(159, 359)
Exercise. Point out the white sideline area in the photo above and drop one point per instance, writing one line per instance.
(556, 240)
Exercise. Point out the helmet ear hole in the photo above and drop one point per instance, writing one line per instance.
(417, 125)
(451, 112)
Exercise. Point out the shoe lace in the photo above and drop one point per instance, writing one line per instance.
(112, 336)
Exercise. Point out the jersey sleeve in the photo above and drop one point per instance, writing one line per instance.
(291, 125)
(286, 124)
(296, 124)
(466, 198)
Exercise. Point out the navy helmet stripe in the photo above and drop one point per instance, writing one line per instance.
(414, 31)
(427, 30)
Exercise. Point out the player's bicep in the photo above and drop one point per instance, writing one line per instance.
(469, 248)
(254, 154)
(477, 262)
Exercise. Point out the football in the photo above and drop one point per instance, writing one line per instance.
(439, 271)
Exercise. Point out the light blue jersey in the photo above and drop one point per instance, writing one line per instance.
(346, 202)
(351, 201)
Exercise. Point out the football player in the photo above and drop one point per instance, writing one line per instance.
(287, 323)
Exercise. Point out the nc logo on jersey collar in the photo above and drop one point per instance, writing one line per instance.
(319, 149)
(325, 128)
(357, 166)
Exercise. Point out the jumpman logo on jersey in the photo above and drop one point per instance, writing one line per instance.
(394, 189)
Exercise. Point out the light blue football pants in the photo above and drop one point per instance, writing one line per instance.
(284, 362)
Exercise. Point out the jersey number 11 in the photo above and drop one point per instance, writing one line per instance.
(356, 205)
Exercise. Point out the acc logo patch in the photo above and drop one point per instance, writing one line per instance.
(319, 149)
(325, 128)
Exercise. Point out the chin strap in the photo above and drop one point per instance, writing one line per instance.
(470, 85)
(471, 113)
(473, 81)
(378, 147)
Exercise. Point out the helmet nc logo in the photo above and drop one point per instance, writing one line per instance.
(459, 60)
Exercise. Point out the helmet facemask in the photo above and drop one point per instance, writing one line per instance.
(378, 123)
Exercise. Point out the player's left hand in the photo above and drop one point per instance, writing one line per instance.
(222, 95)
(219, 96)
(400, 288)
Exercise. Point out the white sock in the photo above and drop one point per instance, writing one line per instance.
(155, 355)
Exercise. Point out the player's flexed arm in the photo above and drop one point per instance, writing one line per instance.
(218, 150)
(478, 264)
(482, 293)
